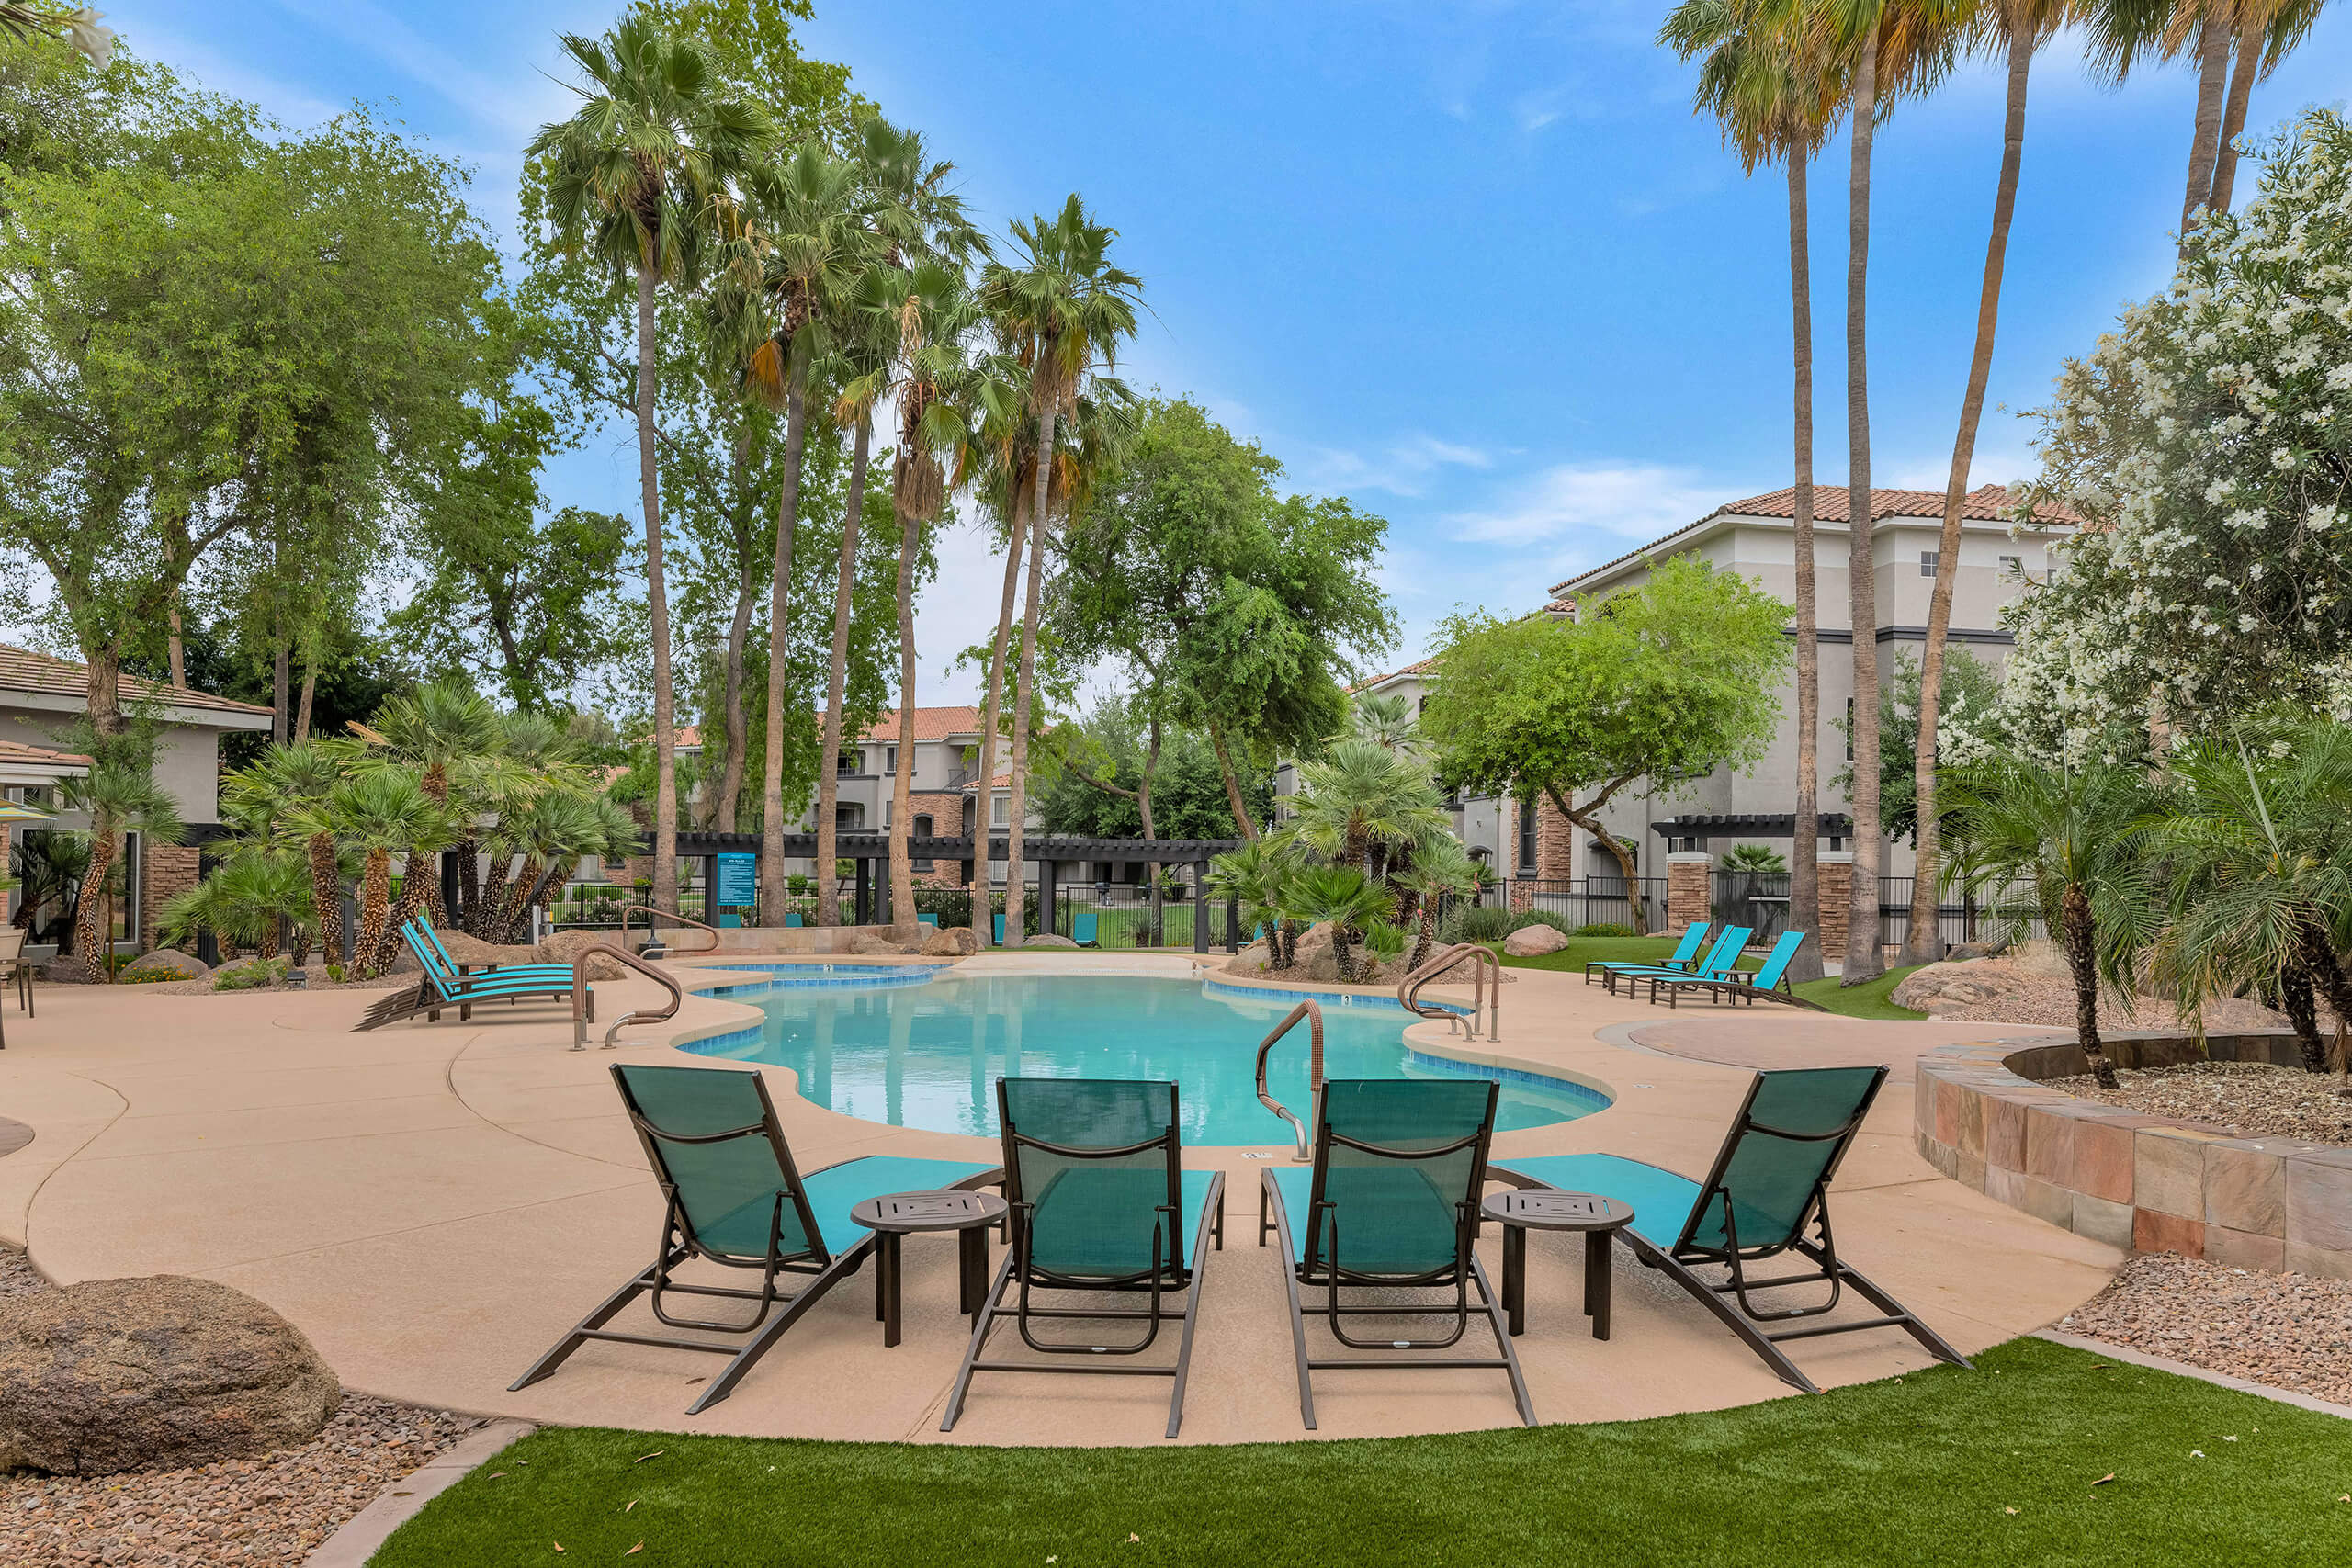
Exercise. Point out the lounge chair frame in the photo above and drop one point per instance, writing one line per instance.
(1322, 1268)
(1687, 952)
(1820, 1249)
(435, 992)
(824, 1267)
(1165, 1274)
(1733, 987)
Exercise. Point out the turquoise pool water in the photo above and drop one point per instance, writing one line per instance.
(926, 1051)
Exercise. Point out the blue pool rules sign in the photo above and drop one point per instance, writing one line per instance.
(739, 880)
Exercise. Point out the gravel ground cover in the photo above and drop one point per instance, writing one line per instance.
(2290, 1331)
(271, 1512)
(2253, 1100)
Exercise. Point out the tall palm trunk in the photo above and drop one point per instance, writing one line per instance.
(326, 895)
(2225, 152)
(493, 899)
(657, 598)
(829, 751)
(90, 913)
(375, 895)
(469, 852)
(2076, 934)
(2330, 981)
(718, 811)
(1863, 959)
(2212, 85)
(1018, 809)
(1924, 944)
(773, 885)
(902, 868)
(984, 788)
(1804, 864)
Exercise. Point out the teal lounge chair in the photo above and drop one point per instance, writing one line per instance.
(443, 984)
(1083, 928)
(1769, 1183)
(792, 918)
(996, 926)
(1390, 1205)
(1685, 952)
(1723, 958)
(733, 1196)
(931, 921)
(1101, 1203)
(1771, 982)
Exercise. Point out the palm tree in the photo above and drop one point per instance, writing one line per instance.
(1254, 875)
(1389, 722)
(1778, 97)
(121, 797)
(2268, 30)
(379, 812)
(290, 787)
(637, 179)
(441, 730)
(1068, 307)
(2078, 836)
(2260, 864)
(1346, 898)
(1440, 868)
(2017, 28)
(1361, 798)
(557, 828)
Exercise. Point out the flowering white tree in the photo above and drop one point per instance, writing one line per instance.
(2207, 445)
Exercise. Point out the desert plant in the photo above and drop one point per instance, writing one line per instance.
(1343, 895)
(1753, 857)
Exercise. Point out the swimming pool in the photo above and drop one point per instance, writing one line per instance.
(924, 1049)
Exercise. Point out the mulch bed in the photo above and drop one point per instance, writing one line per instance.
(2288, 1331)
(2251, 1099)
(273, 1510)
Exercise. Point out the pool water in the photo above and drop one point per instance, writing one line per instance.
(928, 1054)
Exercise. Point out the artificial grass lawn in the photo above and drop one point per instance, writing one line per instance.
(1866, 1000)
(1947, 1467)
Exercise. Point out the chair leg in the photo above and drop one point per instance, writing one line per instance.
(1733, 1319)
(1496, 1321)
(1192, 1306)
(841, 1268)
(1928, 1338)
(980, 1338)
(1268, 1197)
(603, 1314)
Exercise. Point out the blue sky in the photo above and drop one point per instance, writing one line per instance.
(1475, 265)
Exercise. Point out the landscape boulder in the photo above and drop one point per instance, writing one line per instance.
(476, 954)
(876, 946)
(1533, 941)
(1941, 987)
(1048, 939)
(158, 1372)
(168, 961)
(948, 941)
(565, 947)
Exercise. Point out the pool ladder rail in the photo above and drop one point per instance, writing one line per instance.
(1313, 1014)
(579, 996)
(654, 947)
(1482, 961)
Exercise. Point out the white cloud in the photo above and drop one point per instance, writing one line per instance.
(1403, 467)
(1623, 499)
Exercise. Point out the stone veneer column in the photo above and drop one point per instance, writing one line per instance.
(169, 870)
(1556, 836)
(1690, 875)
(1836, 868)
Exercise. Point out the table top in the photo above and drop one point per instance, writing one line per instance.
(1549, 1208)
(950, 1210)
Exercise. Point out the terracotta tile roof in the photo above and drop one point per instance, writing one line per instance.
(1833, 503)
(22, 670)
(41, 755)
(930, 724)
(1419, 667)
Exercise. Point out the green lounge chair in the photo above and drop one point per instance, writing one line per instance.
(1084, 928)
(1769, 1183)
(1391, 1202)
(443, 984)
(732, 1196)
(1100, 1203)
(996, 926)
(1684, 952)
(1723, 958)
(1771, 982)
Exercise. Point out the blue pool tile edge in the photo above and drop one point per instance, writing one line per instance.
(801, 976)
(1327, 998)
(1583, 1094)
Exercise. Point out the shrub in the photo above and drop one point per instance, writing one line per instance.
(1526, 918)
(251, 974)
(1604, 928)
(1474, 922)
(145, 976)
(797, 883)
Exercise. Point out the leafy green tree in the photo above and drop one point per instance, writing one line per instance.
(1667, 680)
(639, 180)
(1972, 701)
(1095, 784)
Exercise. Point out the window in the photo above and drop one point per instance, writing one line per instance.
(1526, 838)
(847, 762)
(849, 815)
(923, 830)
(2013, 565)
(1001, 811)
(891, 760)
(1928, 562)
(1849, 728)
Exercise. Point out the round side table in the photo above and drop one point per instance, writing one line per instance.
(901, 1213)
(1549, 1209)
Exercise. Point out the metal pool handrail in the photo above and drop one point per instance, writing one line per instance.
(579, 996)
(1483, 958)
(1314, 1016)
(651, 935)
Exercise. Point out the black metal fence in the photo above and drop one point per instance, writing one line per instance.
(1593, 900)
(1959, 918)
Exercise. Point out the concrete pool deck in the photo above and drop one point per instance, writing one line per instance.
(433, 1204)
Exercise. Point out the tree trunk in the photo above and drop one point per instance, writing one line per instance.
(1588, 817)
(375, 895)
(2212, 84)
(1863, 961)
(657, 597)
(326, 895)
(310, 688)
(718, 811)
(414, 878)
(1018, 805)
(2329, 980)
(2296, 1001)
(469, 852)
(902, 865)
(281, 671)
(2082, 958)
(427, 862)
(829, 751)
(90, 914)
(492, 901)
(1924, 944)
(984, 786)
(1424, 932)
(1804, 867)
(2225, 152)
(1232, 786)
(175, 650)
(775, 887)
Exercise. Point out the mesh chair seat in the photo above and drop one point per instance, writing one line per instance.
(1391, 1219)
(1086, 1220)
(1661, 1200)
(836, 1189)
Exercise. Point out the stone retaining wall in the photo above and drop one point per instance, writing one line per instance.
(2141, 1182)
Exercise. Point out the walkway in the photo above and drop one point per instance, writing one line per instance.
(433, 1204)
